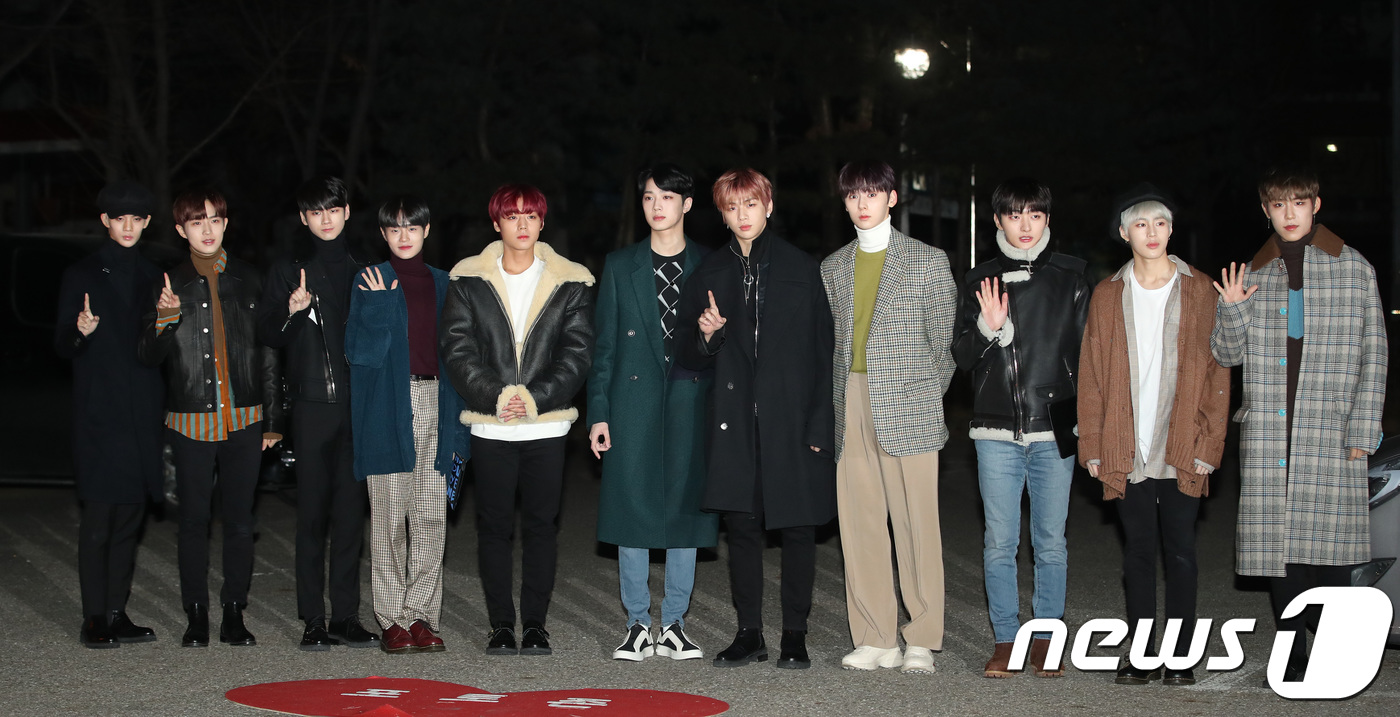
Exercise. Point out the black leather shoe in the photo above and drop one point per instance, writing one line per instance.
(1178, 678)
(314, 638)
(793, 652)
(350, 632)
(535, 641)
(96, 634)
(124, 631)
(502, 640)
(748, 646)
(197, 634)
(1129, 675)
(232, 631)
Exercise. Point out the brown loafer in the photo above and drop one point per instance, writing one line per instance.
(397, 641)
(1039, 647)
(998, 666)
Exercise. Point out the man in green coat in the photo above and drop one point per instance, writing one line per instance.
(654, 479)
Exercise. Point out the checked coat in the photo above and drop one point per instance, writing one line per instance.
(1306, 503)
(908, 354)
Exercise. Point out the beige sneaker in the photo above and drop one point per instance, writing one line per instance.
(866, 657)
(917, 661)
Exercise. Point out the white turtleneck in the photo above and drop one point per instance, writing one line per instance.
(874, 239)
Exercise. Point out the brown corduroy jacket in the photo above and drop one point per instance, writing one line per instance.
(1200, 404)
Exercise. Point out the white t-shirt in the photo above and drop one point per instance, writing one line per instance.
(520, 293)
(1149, 318)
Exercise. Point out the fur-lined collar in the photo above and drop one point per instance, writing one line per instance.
(557, 272)
(1323, 239)
(1025, 255)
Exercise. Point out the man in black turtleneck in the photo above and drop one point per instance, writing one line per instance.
(117, 411)
(305, 303)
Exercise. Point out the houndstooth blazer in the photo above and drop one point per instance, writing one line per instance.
(908, 354)
(1305, 502)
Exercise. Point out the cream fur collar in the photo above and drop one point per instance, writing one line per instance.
(1026, 255)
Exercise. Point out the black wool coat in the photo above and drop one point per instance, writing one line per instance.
(765, 412)
(118, 402)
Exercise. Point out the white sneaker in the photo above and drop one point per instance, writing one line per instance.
(917, 660)
(674, 644)
(866, 657)
(637, 646)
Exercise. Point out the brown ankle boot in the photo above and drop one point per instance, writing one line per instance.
(997, 666)
(1039, 647)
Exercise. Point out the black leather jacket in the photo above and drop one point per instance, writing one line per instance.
(478, 345)
(1014, 385)
(186, 347)
(314, 366)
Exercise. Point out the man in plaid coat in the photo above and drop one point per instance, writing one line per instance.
(1311, 337)
(894, 303)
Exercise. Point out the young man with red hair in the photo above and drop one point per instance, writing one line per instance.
(517, 341)
(770, 463)
(223, 406)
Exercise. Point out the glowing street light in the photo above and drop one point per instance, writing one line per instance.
(1331, 148)
(913, 62)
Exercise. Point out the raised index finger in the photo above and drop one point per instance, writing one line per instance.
(86, 307)
(303, 280)
(712, 300)
(167, 282)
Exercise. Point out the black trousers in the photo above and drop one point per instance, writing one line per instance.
(329, 499)
(747, 538)
(1153, 512)
(238, 459)
(535, 470)
(1298, 579)
(107, 554)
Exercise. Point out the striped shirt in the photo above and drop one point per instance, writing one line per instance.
(217, 424)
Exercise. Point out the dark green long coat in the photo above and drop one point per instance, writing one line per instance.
(654, 475)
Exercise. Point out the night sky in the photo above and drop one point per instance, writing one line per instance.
(449, 99)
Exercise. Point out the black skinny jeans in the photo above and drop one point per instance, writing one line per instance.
(1154, 511)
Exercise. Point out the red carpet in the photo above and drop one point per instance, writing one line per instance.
(401, 697)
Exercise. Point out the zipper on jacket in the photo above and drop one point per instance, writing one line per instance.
(1016, 406)
(531, 329)
(325, 350)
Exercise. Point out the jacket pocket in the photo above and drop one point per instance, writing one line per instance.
(925, 390)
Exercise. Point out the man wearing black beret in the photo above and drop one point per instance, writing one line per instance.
(117, 411)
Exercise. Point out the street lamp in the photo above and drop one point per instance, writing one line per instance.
(913, 62)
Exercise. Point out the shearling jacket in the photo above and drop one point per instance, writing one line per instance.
(1030, 362)
(478, 344)
(1200, 404)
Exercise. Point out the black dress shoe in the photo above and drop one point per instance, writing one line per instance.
(125, 631)
(747, 647)
(1129, 675)
(793, 652)
(314, 638)
(197, 634)
(96, 634)
(350, 632)
(232, 631)
(502, 640)
(1178, 678)
(535, 641)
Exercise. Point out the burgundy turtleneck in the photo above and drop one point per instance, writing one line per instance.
(420, 294)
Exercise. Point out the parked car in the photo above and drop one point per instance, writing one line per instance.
(1380, 572)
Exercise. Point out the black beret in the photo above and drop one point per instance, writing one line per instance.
(124, 197)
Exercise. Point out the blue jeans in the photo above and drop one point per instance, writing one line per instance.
(1004, 470)
(634, 567)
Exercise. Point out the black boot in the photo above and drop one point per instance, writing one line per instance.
(793, 655)
(96, 634)
(747, 647)
(125, 631)
(232, 630)
(197, 634)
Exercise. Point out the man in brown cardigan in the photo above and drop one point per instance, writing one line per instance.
(1152, 409)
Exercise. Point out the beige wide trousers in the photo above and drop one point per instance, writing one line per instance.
(873, 487)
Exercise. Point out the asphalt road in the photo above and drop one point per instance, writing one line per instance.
(43, 669)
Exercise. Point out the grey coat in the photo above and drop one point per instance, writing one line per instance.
(1306, 503)
(908, 354)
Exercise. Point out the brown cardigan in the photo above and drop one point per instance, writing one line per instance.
(1196, 430)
